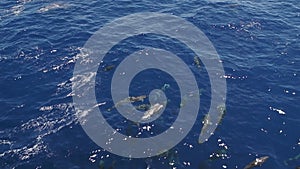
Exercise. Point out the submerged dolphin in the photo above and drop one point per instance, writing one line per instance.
(209, 120)
(51, 7)
(130, 99)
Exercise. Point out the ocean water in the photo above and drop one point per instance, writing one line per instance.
(259, 46)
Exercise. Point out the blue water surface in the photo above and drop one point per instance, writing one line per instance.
(257, 41)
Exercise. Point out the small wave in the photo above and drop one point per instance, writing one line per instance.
(57, 117)
(235, 77)
(17, 9)
(65, 61)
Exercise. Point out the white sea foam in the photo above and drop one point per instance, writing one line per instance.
(277, 110)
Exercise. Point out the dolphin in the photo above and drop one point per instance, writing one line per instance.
(153, 110)
(257, 162)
